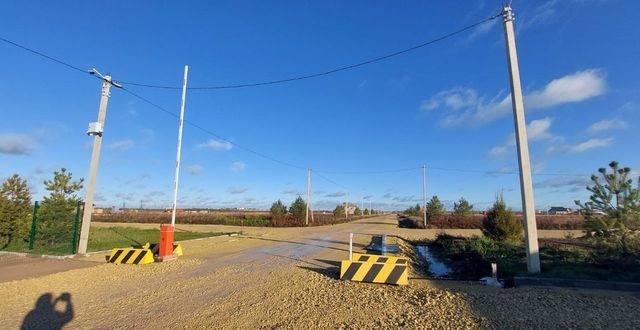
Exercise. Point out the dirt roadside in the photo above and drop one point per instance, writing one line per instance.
(287, 278)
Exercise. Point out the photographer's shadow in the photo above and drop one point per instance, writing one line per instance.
(45, 315)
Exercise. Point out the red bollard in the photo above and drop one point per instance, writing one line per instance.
(165, 251)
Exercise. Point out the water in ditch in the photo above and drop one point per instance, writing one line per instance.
(436, 267)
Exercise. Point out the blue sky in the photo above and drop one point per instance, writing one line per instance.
(445, 105)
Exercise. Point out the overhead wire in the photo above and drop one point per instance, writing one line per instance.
(327, 72)
(265, 156)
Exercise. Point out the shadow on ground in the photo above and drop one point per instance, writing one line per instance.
(47, 314)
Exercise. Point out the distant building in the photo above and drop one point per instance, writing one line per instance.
(558, 210)
(349, 209)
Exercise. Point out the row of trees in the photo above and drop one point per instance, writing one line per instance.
(435, 208)
(55, 215)
(298, 210)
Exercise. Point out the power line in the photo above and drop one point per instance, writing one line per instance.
(214, 134)
(328, 72)
(43, 55)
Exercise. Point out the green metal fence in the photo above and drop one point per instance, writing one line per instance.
(54, 229)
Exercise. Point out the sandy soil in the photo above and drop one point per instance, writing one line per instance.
(287, 278)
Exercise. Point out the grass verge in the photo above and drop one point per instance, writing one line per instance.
(108, 238)
(471, 258)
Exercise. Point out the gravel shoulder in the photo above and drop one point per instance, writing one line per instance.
(288, 279)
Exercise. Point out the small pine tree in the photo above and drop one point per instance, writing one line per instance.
(462, 207)
(278, 210)
(298, 208)
(367, 211)
(500, 224)
(357, 211)
(435, 208)
(55, 217)
(338, 212)
(15, 210)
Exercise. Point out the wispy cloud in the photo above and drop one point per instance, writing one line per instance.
(17, 144)
(336, 194)
(291, 192)
(195, 169)
(537, 15)
(214, 144)
(580, 147)
(573, 184)
(238, 166)
(607, 125)
(463, 106)
(236, 190)
(537, 130)
(121, 145)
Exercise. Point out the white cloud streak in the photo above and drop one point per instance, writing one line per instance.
(237, 167)
(195, 169)
(463, 106)
(121, 145)
(214, 144)
(607, 125)
(16, 144)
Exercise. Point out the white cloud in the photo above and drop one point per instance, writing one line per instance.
(16, 144)
(336, 194)
(537, 130)
(581, 147)
(291, 192)
(539, 14)
(215, 145)
(575, 87)
(591, 144)
(121, 145)
(607, 124)
(238, 167)
(498, 152)
(195, 169)
(482, 29)
(465, 107)
(455, 98)
(236, 190)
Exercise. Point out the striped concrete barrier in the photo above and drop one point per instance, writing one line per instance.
(130, 256)
(379, 259)
(155, 247)
(387, 273)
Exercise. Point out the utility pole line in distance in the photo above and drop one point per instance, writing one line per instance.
(526, 186)
(96, 129)
(306, 220)
(424, 194)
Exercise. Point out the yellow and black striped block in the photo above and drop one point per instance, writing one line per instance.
(131, 256)
(155, 247)
(380, 259)
(374, 272)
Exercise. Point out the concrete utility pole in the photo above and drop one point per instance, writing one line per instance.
(424, 194)
(96, 129)
(526, 186)
(346, 207)
(179, 152)
(309, 210)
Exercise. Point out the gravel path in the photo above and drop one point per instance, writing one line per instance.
(288, 280)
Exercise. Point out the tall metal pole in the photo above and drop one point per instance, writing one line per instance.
(424, 194)
(93, 167)
(179, 153)
(306, 218)
(526, 186)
